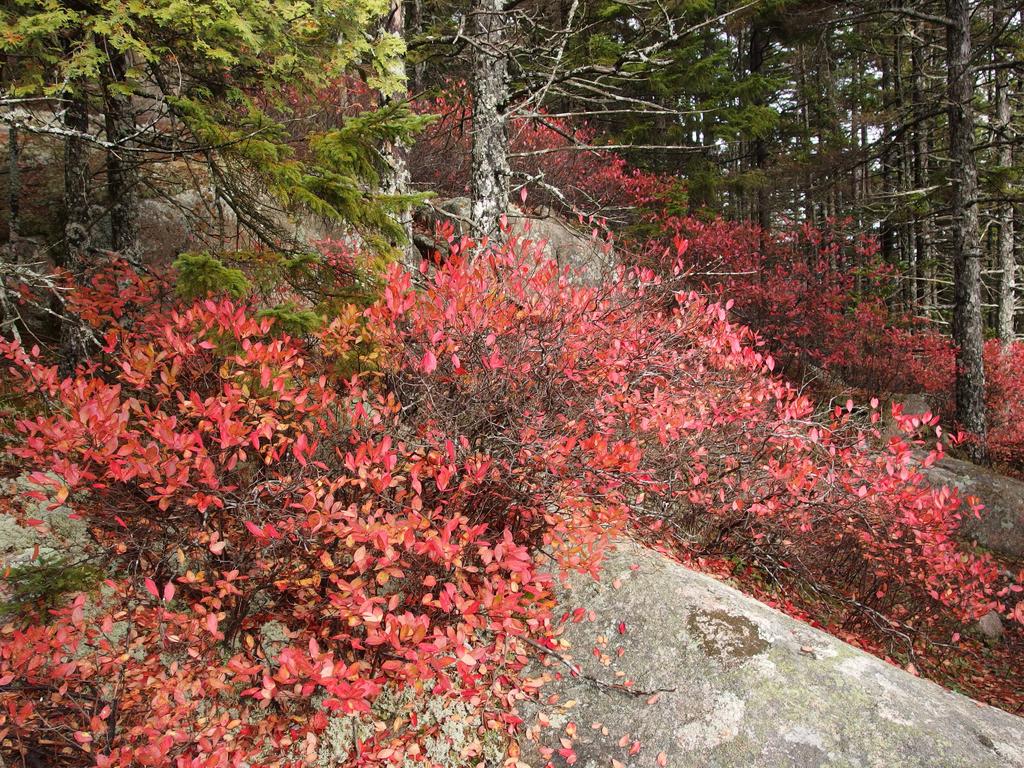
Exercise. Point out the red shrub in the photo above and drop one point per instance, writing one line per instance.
(397, 521)
(798, 288)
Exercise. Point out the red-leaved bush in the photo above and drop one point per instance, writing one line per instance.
(821, 298)
(797, 287)
(392, 491)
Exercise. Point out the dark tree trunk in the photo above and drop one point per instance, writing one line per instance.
(905, 173)
(759, 43)
(490, 179)
(922, 221)
(8, 313)
(13, 184)
(416, 81)
(967, 314)
(887, 241)
(73, 336)
(702, 196)
(122, 168)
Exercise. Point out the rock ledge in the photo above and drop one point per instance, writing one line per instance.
(743, 685)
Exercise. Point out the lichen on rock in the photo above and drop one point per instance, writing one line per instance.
(59, 535)
(453, 731)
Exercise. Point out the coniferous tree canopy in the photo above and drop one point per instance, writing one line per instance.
(219, 81)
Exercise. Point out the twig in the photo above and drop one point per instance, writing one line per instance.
(576, 671)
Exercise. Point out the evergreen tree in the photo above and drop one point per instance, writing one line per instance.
(213, 85)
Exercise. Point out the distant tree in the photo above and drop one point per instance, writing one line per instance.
(968, 328)
(1004, 136)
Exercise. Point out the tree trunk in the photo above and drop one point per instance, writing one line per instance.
(922, 221)
(967, 316)
(396, 179)
(73, 336)
(887, 192)
(416, 81)
(8, 314)
(905, 172)
(490, 176)
(13, 184)
(1007, 263)
(122, 169)
(703, 195)
(759, 43)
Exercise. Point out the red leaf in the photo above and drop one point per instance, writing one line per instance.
(429, 362)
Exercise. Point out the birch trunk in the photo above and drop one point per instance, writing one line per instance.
(489, 182)
(397, 180)
(1007, 263)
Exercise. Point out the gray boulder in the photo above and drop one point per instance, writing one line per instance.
(991, 627)
(588, 258)
(193, 220)
(710, 677)
(1000, 526)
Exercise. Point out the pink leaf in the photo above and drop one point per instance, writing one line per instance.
(429, 362)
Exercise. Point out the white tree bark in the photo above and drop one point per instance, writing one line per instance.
(397, 180)
(1007, 264)
(490, 177)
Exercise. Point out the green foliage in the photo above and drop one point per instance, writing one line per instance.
(291, 319)
(39, 585)
(345, 161)
(200, 275)
(306, 274)
(277, 42)
(234, 75)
